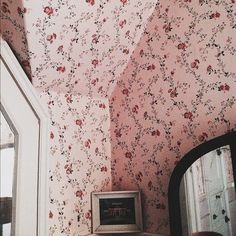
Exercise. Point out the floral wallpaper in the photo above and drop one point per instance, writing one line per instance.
(131, 86)
(75, 46)
(79, 160)
(177, 91)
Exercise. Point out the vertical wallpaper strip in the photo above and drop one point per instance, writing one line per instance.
(177, 91)
(79, 159)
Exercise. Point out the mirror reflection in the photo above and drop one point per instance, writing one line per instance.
(207, 195)
(7, 154)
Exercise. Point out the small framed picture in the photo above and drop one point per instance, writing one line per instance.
(116, 212)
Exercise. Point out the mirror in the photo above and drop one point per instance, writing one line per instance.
(207, 195)
(7, 156)
(201, 192)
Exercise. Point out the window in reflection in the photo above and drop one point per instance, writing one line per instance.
(207, 195)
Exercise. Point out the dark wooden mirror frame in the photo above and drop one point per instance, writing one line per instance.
(183, 165)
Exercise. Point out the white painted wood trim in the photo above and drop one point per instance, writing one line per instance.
(224, 175)
(30, 94)
(192, 201)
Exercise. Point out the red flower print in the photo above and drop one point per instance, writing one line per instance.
(78, 122)
(195, 63)
(139, 176)
(48, 10)
(21, 12)
(151, 67)
(88, 215)
(123, 1)
(51, 135)
(87, 143)
(209, 69)
(202, 137)
(126, 51)
(125, 91)
(94, 81)
(95, 38)
(60, 48)
(128, 155)
(173, 93)
(61, 69)
(50, 215)
(91, 2)
(122, 23)
(135, 109)
(150, 185)
(167, 28)
(224, 87)
(68, 169)
(215, 15)
(102, 105)
(141, 53)
(104, 169)
(145, 115)
(118, 133)
(156, 133)
(95, 62)
(51, 37)
(227, 87)
(79, 194)
(5, 7)
(182, 46)
(188, 115)
(69, 98)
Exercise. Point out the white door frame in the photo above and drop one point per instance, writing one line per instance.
(30, 120)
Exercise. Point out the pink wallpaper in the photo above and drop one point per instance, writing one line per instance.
(79, 159)
(177, 91)
(170, 87)
(75, 46)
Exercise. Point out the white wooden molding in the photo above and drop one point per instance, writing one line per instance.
(30, 121)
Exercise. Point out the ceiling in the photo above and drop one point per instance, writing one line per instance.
(81, 47)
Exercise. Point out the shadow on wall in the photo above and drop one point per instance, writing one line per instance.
(13, 31)
(176, 92)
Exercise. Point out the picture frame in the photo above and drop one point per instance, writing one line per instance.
(116, 212)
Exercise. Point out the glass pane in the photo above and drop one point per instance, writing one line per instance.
(7, 168)
(208, 201)
(7, 154)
